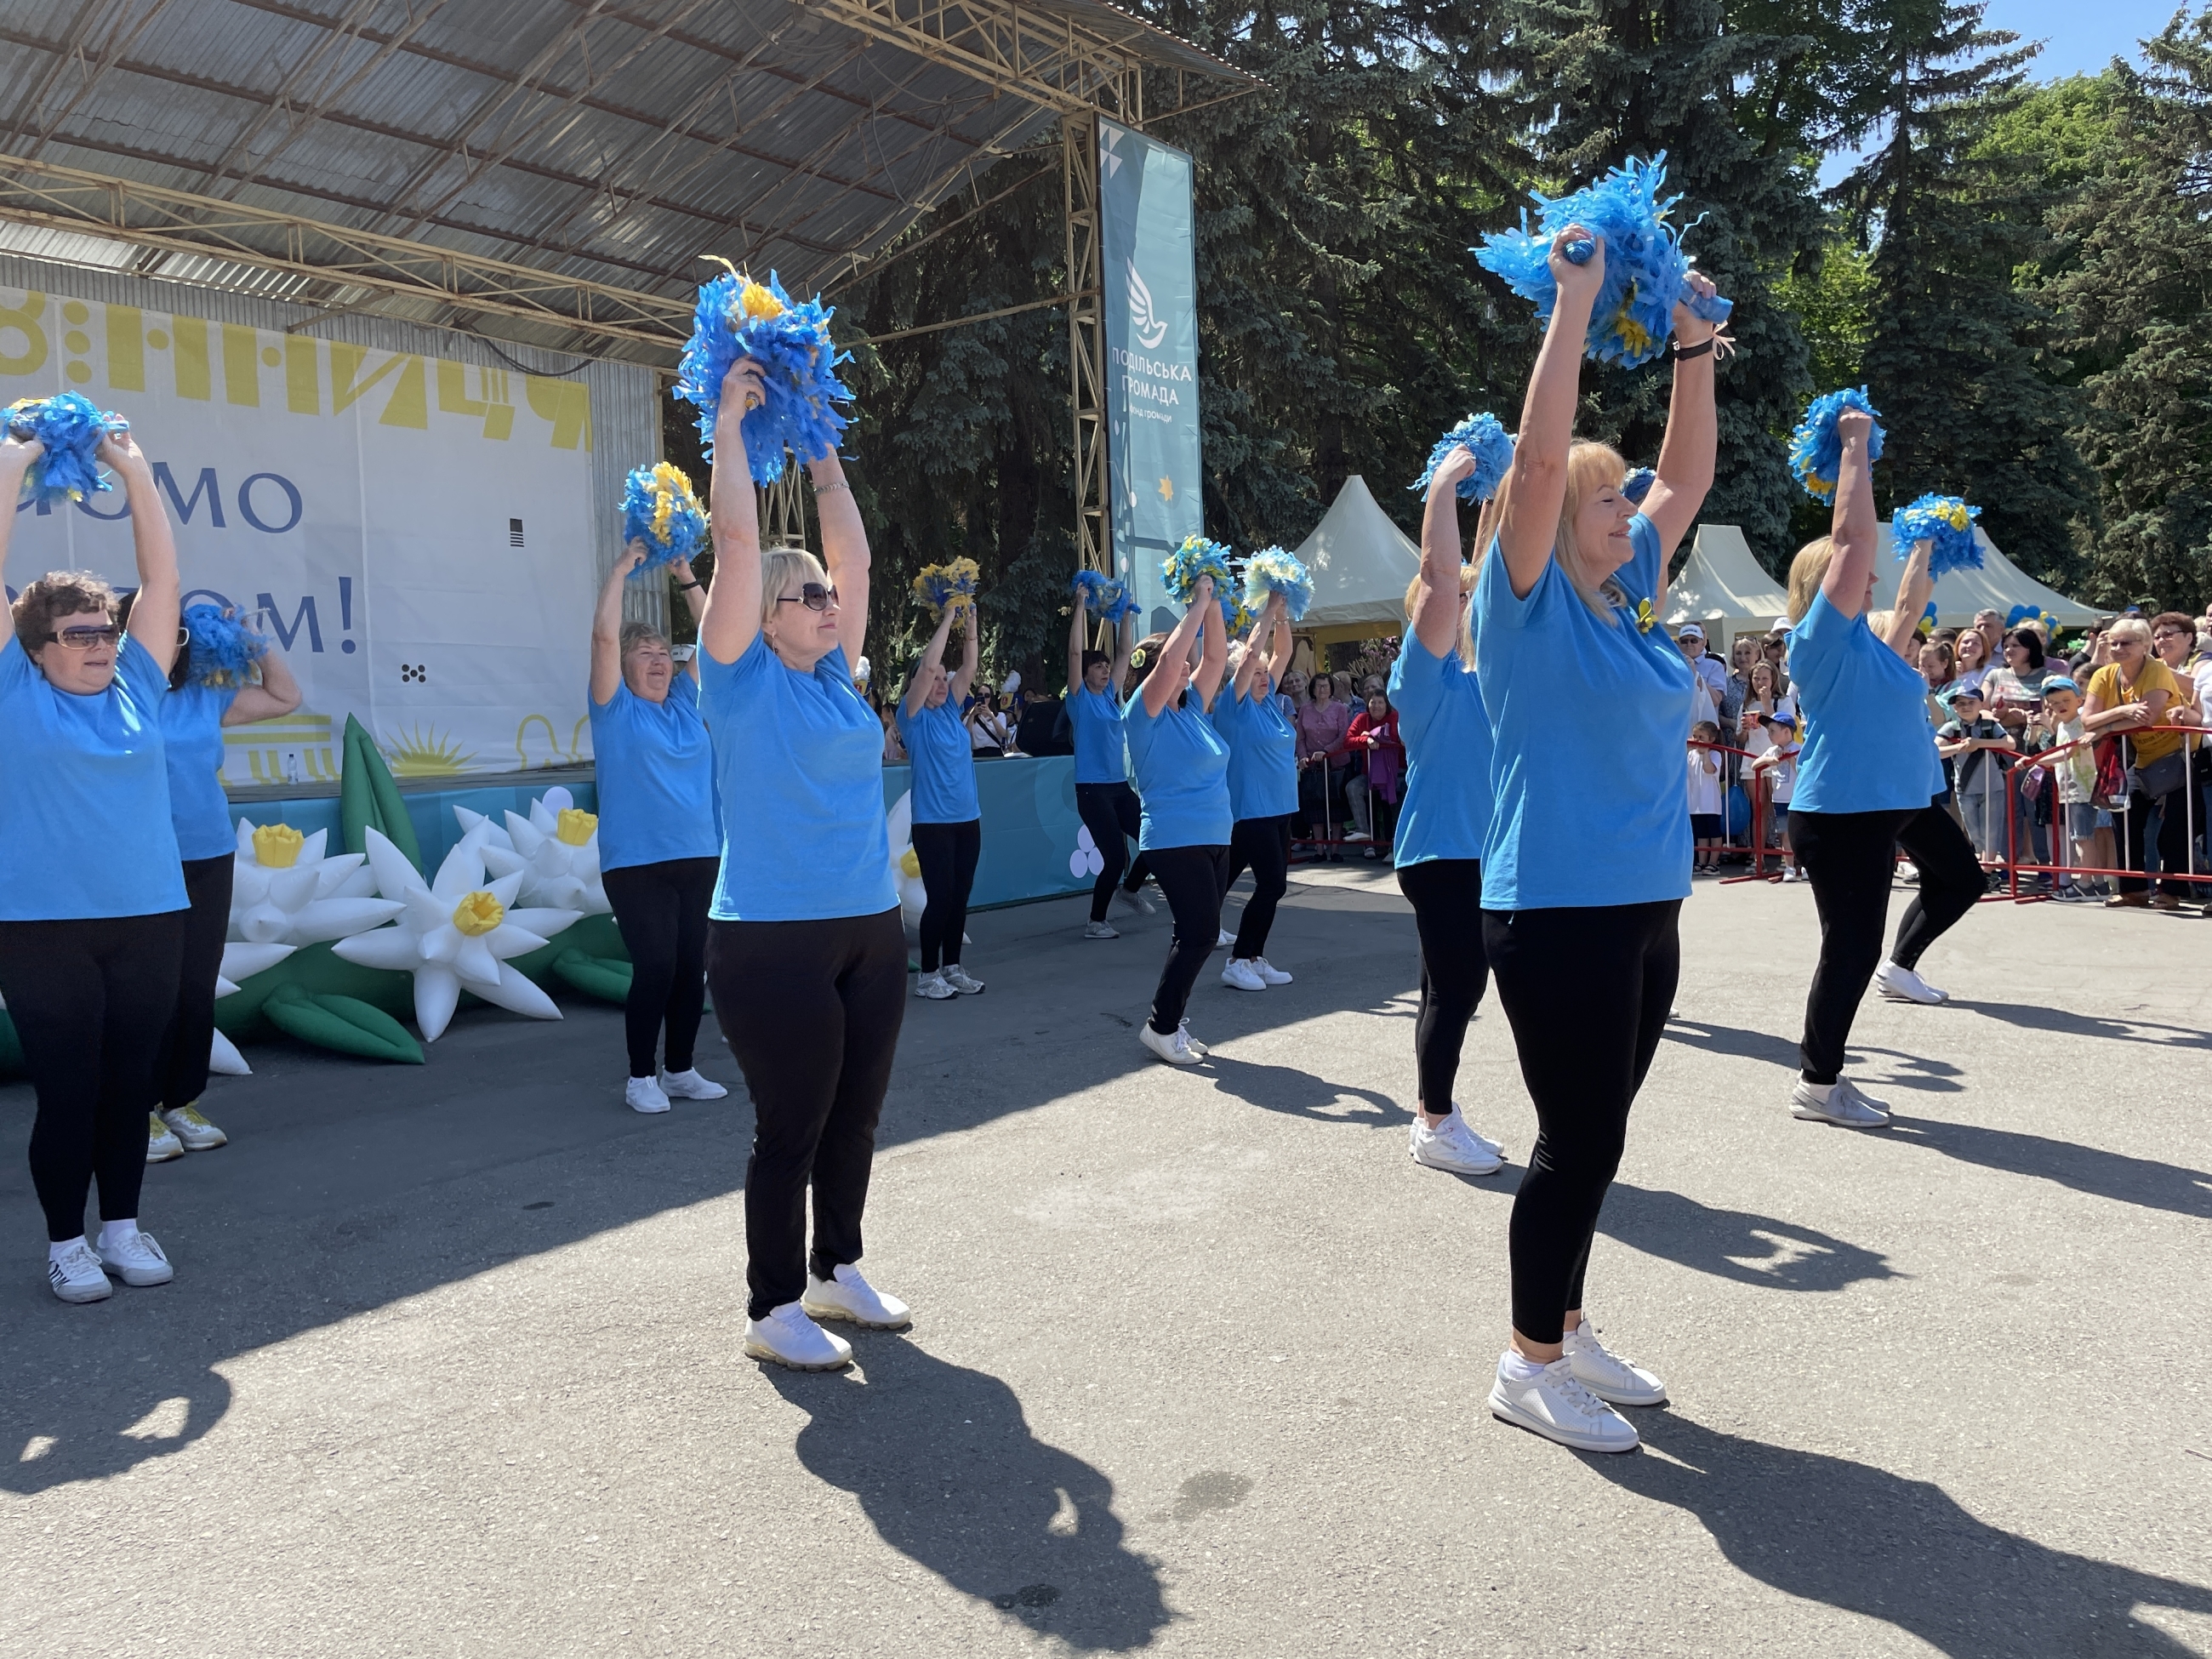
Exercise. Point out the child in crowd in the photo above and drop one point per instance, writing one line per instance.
(1707, 826)
(1778, 764)
(1972, 742)
(2075, 775)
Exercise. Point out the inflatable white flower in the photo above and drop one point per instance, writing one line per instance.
(556, 849)
(457, 931)
(285, 891)
(905, 864)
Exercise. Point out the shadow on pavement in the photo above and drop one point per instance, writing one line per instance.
(2085, 1168)
(1753, 1249)
(1870, 1542)
(1301, 1094)
(946, 1469)
(2066, 1023)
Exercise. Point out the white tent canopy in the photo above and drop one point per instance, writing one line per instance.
(1362, 564)
(1722, 587)
(1998, 586)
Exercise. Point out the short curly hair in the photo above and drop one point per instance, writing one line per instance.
(58, 593)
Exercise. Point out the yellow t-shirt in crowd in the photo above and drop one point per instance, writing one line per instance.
(2105, 687)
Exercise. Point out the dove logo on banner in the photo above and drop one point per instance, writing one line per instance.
(1148, 329)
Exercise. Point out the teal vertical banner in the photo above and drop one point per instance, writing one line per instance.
(1148, 249)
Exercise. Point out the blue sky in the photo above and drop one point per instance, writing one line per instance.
(2080, 36)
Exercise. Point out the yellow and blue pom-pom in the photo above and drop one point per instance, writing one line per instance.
(1275, 570)
(1947, 523)
(659, 510)
(1196, 557)
(738, 318)
(1237, 617)
(223, 648)
(1637, 485)
(1486, 439)
(1645, 268)
(69, 426)
(938, 586)
(1106, 600)
(1816, 454)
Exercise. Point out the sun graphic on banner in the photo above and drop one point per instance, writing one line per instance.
(1167, 489)
(417, 753)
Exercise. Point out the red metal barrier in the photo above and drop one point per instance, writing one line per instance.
(2061, 840)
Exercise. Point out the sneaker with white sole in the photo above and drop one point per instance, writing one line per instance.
(845, 1295)
(932, 986)
(1268, 971)
(1098, 930)
(1355, 836)
(1903, 985)
(1555, 1404)
(135, 1259)
(1606, 1374)
(76, 1274)
(644, 1094)
(1175, 1048)
(961, 981)
(1842, 1105)
(197, 1134)
(1241, 976)
(690, 1085)
(788, 1338)
(1226, 939)
(1453, 1146)
(1190, 1041)
(161, 1142)
(1135, 903)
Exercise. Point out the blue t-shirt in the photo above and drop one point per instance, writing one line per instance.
(1183, 774)
(1100, 756)
(800, 761)
(1263, 753)
(944, 764)
(84, 794)
(1589, 715)
(1866, 746)
(656, 774)
(192, 742)
(1446, 732)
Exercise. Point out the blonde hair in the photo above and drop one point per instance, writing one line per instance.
(1806, 572)
(1590, 467)
(2130, 626)
(1468, 575)
(778, 566)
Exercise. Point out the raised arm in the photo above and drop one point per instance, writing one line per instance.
(1267, 625)
(695, 594)
(844, 550)
(1685, 454)
(1903, 634)
(607, 626)
(1851, 528)
(16, 455)
(1125, 647)
(1169, 678)
(971, 652)
(277, 695)
(1536, 488)
(1435, 605)
(155, 613)
(731, 618)
(1213, 658)
(1078, 641)
(917, 689)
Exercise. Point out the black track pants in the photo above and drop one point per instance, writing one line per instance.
(661, 909)
(1850, 859)
(182, 1076)
(947, 853)
(1587, 991)
(1263, 847)
(1951, 881)
(813, 1011)
(1113, 815)
(2173, 843)
(1190, 878)
(91, 1001)
(1446, 894)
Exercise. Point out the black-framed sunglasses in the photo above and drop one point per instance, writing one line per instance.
(83, 639)
(812, 595)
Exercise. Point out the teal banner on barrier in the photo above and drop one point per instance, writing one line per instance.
(1035, 845)
(1149, 273)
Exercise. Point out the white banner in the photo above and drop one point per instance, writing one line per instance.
(416, 531)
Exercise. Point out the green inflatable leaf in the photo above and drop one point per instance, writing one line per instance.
(595, 976)
(368, 798)
(346, 1024)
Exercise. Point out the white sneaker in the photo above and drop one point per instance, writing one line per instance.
(690, 1085)
(1240, 975)
(77, 1276)
(1176, 1049)
(1903, 985)
(934, 987)
(1793, 873)
(1098, 930)
(1226, 939)
(1842, 1106)
(195, 1132)
(643, 1094)
(1454, 1147)
(1190, 1041)
(845, 1295)
(961, 980)
(135, 1259)
(161, 1142)
(1268, 971)
(1135, 903)
(788, 1337)
(1606, 1375)
(1555, 1404)
(1357, 835)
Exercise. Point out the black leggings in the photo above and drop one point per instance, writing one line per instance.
(1446, 894)
(1111, 813)
(182, 1075)
(1263, 847)
(947, 852)
(1587, 993)
(1190, 876)
(661, 909)
(2173, 847)
(812, 1011)
(1951, 881)
(91, 1000)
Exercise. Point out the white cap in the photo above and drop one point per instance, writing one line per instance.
(1689, 631)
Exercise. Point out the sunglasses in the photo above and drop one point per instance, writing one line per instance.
(812, 595)
(83, 639)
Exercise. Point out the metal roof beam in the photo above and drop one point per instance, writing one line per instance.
(118, 42)
(1057, 68)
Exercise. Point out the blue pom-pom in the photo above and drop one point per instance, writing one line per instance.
(659, 510)
(1816, 454)
(68, 425)
(1485, 438)
(1237, 617)
(223, 648)
(1275, 570)
(1196, 557)
(1637, 485)
(938, 586)
(1104, 597)
(738, 318)
(1945, 521)
(1645, 268)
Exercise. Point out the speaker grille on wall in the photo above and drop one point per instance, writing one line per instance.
(514, 532)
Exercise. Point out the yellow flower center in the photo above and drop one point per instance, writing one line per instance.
(576, 826)
(276, 846)
(1955, 516)
(758, 304)
(910, 861)
(478, 914)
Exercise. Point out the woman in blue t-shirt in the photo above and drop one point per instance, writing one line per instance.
(1182, 767)
(658, 846)
(1103, 799)
(805, 958)
(1586, 862)
(948, 820)
(1867, 780)
(92, 896)
(1263, 791)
